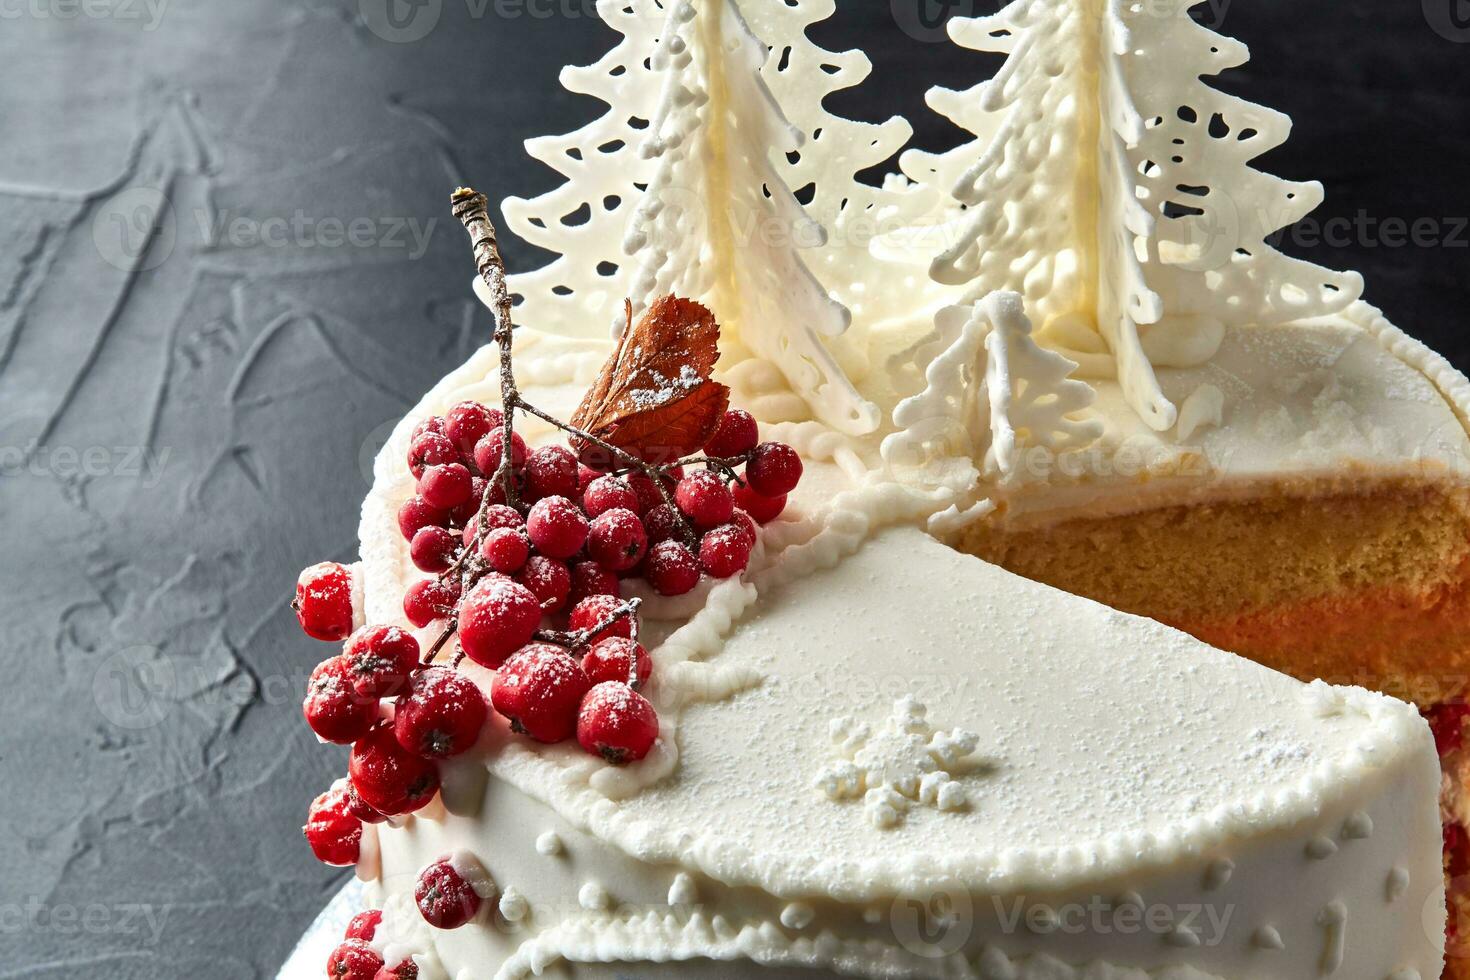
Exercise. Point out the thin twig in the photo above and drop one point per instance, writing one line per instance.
(579, 638)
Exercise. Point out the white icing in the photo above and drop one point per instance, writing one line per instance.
(549, 844)
(1320, 848)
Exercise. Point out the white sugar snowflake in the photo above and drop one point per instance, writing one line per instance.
(905, 762)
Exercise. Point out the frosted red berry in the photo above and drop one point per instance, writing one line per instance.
(488, 451)
(549, 580)
(440, 715)
(551, 471)
(334, 834)
(704, 498)
(497, 618)
(773, 470)
(464, 514)
(444, 897)
(724, 551)
(324, 601)
(616, 723)
(332, 706)
(616, 540)
(380, 659)
(428, 600)
(430, 449)
(433, 548)
(760, 507)
(589, 578)
(608, 493)
(585, 475)
(596, 609)
(388, 777)
(747, 526)
(645, 490)
(354, 959)
(364, 925)
(557, 527)
(468, 422)
(434, 424)
(415, 513)
(506, 549)
(671, 568)
(361, 810)
(539, 690)
(613, 660)
(495, 516)
(660, 524)
(406, 970)
(736, 435)
(446, 485)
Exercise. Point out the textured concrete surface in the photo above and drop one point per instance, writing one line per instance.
(197, 363)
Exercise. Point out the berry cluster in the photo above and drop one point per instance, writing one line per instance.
(528, 556)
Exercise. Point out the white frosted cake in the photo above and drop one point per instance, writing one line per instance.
(750, 658)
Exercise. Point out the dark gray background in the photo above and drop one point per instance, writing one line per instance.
(185, 425)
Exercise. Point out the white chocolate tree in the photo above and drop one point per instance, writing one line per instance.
(991, 393)
(801, 75)
(584, 219)
(692, 137)
(1111, 187)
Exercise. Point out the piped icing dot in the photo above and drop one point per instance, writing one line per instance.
(549, 844)
(1397, 884)
(513, 905)
(1217, 875)
(1266, 937)
(593, 897)
(1320, 847)
(682, 891)
(797, 915)
(1358, 826)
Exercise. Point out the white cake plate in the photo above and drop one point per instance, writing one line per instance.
(308, 961)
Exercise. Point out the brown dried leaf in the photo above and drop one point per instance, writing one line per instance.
(654, 398)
